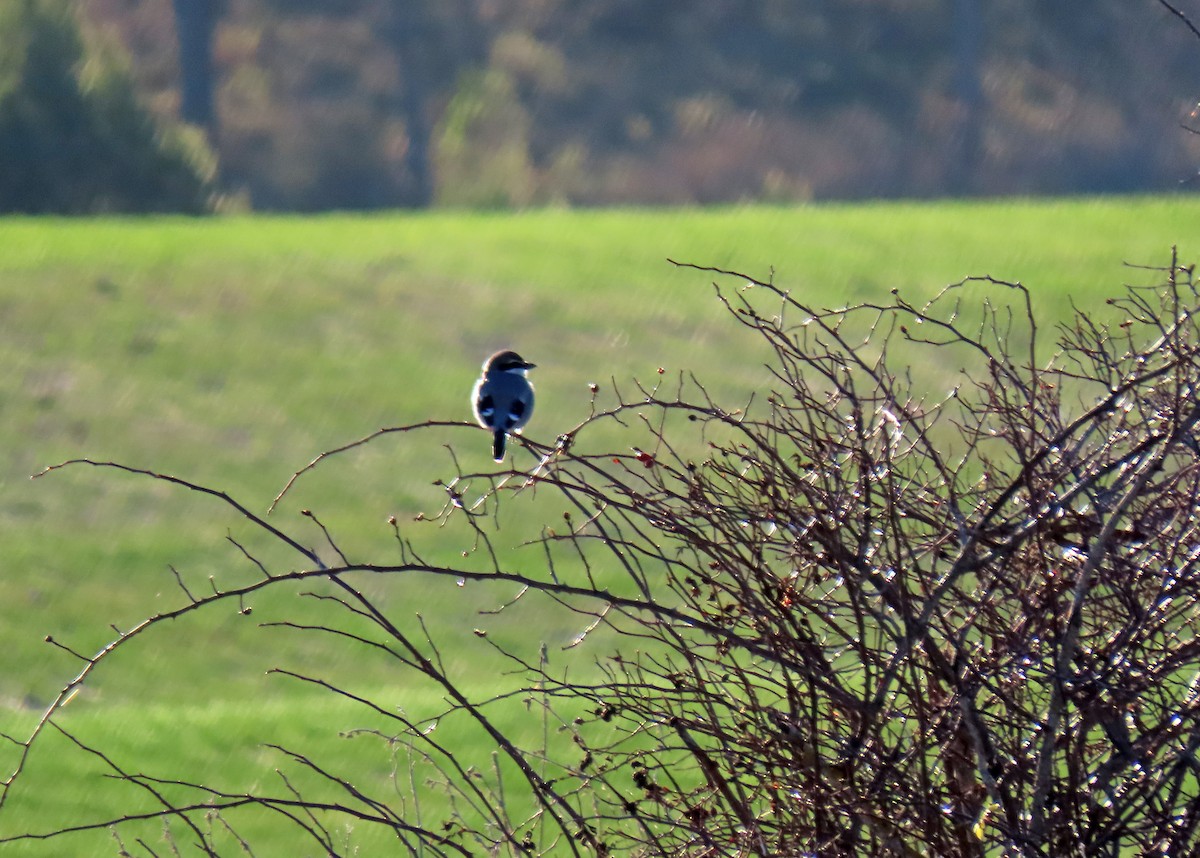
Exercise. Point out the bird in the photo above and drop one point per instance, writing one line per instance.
(502, 399)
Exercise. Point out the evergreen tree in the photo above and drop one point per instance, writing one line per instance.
(73, 139)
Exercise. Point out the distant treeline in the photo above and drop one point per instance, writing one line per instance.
(319, 104)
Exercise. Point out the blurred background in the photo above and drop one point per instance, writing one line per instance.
(309, 105)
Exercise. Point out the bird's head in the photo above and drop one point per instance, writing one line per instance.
(507, 361)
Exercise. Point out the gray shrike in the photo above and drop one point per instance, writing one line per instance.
(503, 398)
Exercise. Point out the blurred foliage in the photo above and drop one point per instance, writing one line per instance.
(483, 145)
(73, 137)
(381, 103)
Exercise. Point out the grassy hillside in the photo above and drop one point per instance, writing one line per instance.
(231, 351)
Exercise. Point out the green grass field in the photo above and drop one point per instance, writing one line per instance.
(231, 351)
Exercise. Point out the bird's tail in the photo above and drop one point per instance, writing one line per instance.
(498, 441)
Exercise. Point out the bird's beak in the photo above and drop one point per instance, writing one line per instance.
(529, 365)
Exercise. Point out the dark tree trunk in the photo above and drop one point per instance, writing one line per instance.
(433, 42)
(195, 23)
(413, 41)
(968, 47)
(413, 102)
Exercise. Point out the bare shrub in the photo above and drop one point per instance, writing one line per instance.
(848, 618)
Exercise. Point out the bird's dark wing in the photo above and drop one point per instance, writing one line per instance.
(486, 407)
